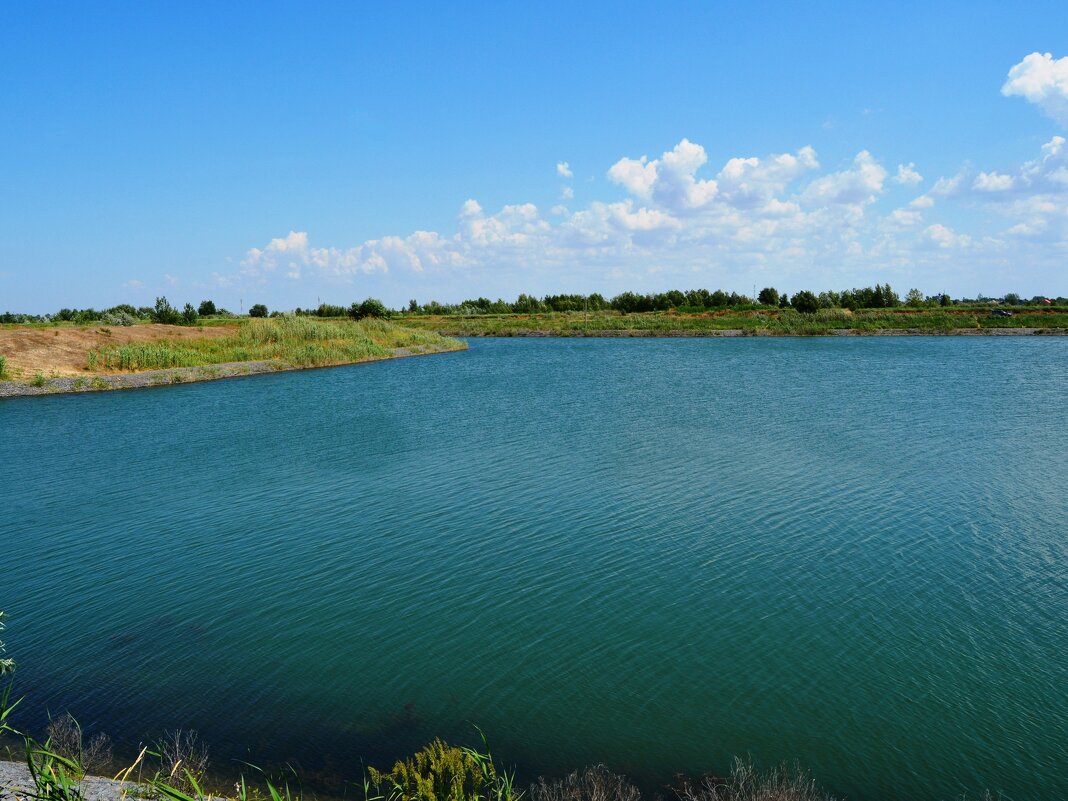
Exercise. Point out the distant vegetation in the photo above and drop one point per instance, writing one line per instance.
(694, 301)
(292, 341)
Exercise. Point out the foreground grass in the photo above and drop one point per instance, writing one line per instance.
(288, 341)
(755, 321)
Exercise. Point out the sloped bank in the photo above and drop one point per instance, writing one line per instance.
(185, 375)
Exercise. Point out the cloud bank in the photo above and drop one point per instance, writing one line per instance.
(683, 217)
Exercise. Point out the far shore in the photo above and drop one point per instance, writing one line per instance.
(756, 332)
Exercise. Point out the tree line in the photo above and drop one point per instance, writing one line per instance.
(879, 296)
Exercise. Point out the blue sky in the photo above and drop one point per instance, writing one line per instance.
(283, 153)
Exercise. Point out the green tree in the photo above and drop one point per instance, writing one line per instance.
(1012, 298)
(207, 308)
(805, 302)
(257, 310)
(914, 298)
(769, 296)
(189, 315)
(164, 313)
(372, 307)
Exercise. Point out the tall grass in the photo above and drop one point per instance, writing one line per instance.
(289, 341)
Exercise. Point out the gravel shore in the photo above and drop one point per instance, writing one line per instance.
(15, 785)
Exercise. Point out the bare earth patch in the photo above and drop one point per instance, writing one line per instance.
(62, 352)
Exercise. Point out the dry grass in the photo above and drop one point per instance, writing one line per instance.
(745, 783)
(65, 737)
(595, 783)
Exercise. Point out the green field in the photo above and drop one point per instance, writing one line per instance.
(289, 341)
(769, 321)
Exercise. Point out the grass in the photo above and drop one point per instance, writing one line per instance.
(3, 367)
(769, 321)
(288, 341)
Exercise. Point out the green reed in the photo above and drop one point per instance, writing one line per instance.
(288, 341)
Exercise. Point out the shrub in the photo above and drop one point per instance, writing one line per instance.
(746, 784)
(189, 315)
(596, 783)
(372, 307)
(441, 772)
(207, 308)
(183, 759)
(257, 310)
(805, 302)
(118, 318)
(66, 739)
(3, 366)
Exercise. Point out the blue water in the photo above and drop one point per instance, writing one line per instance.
(652, 553)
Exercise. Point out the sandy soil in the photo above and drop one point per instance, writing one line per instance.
(62, 351)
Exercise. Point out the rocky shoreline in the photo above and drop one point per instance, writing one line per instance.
(16, 785)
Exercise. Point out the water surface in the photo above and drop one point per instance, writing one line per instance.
(651, 553)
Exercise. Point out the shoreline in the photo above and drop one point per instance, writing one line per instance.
(175, 376)
(757, 332)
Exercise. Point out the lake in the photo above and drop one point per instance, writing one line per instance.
(652, 553)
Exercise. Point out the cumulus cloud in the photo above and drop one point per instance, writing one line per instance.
(907, 175)
(1042, 80)
(858, 185)
(992, 182)
(754, 215)
(945, 237)
(670, 181)
(563, 169)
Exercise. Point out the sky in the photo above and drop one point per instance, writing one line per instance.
(289, 154)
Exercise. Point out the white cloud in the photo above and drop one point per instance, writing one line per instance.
(992, 182)
(669, 181)
(857, 186)
(945, 237)
(567, 193)
(752, 182)
(563, 169)
(907, 175)
(776, 216)
(1042, 80)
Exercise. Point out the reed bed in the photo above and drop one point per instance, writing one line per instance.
(289, 341)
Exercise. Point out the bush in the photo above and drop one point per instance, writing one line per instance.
(207, 308)
(805, 302)
(183, 759)
(3, 372)
(369, 308)
(258, 310)
(66, 739)
(593, 784)
(441, 772)
(118, 318)
(746, 784)
(190, 316)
